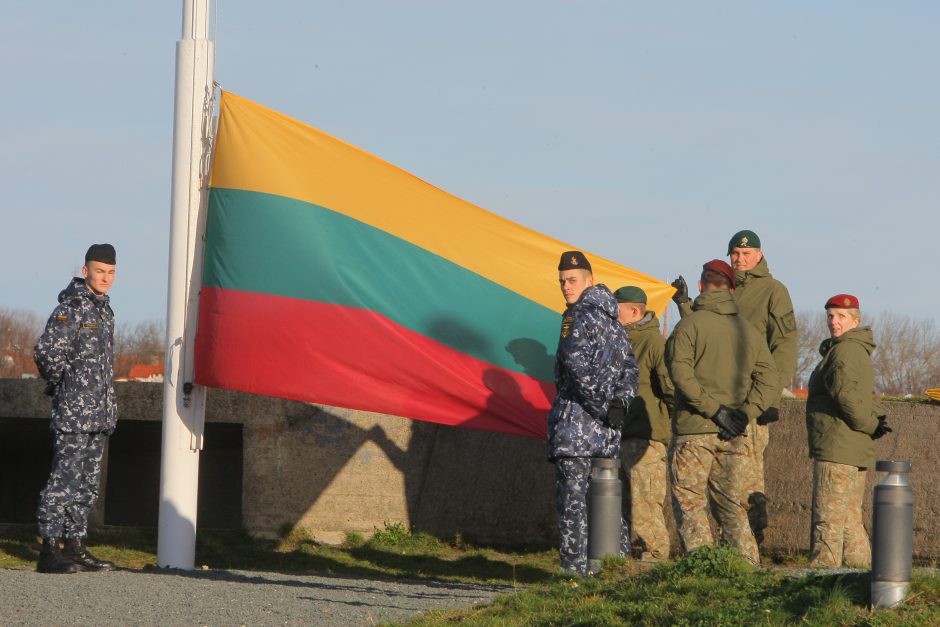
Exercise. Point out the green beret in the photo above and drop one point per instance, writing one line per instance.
(574, 260)
(744, 239)
(630, 294)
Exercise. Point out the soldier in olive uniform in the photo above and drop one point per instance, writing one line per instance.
(764, 302)
(75, 356)
(647, 428)
(843, 417)
(724, 378)
(595, 377)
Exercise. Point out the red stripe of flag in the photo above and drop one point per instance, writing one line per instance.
(333, 353)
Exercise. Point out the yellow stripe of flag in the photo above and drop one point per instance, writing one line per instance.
(264, 151)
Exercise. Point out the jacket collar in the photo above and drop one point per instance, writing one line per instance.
(717, 301)
(758, 271)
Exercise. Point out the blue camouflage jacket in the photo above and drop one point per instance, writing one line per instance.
(594, 364)
(75, 354)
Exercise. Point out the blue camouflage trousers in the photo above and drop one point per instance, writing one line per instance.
(572, 477)
(72, 489)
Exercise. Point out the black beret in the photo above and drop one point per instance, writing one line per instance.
(103, 253)
(574, 260)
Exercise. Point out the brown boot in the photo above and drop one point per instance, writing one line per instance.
(51, 559)
(76, 551)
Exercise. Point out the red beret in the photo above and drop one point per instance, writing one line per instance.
(721, 267)
(842, 301)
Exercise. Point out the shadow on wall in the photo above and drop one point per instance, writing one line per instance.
(330, 469)
(333, 470)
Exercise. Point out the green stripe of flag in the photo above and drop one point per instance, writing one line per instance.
(269, 244)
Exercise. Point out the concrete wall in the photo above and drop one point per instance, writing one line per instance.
(332, 470)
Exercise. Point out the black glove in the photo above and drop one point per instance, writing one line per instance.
(769, 416)
(731, 422)
(50, 388)
(682, 291)
(616, 414)
(882, 428)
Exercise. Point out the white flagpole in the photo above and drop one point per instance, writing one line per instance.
(183, 402)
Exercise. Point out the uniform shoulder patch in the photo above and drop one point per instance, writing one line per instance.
(788, 321)
(566, 326)
(61, 318)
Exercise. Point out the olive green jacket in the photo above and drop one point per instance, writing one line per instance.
(765, 302)
(716, 357)
(648, 415)
(841, 409)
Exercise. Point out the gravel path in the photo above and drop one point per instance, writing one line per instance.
(217, 597)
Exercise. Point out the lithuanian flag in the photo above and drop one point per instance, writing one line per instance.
(334, 277)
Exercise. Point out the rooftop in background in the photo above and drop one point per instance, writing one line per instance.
(145, 373)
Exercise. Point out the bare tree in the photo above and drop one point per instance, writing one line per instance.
(812, 331)
(140, 343)
(19, 332)
(907, 360)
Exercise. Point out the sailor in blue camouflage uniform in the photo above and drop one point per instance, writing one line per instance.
(75, 356)
(596, 378)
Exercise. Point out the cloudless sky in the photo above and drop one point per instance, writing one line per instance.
(647, 133)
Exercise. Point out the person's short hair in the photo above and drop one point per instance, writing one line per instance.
(715, 279)
(103, 253)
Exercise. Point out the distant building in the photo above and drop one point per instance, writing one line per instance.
(144, 373)
(16, 363)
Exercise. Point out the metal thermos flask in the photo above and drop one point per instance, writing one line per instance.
(891, 535)
(604, 513)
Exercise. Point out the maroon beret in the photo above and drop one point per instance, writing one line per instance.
(843, 301)
(721, 267)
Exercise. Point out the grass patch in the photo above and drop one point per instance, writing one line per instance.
(710, 586)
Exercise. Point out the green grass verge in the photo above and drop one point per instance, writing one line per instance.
(711, 586)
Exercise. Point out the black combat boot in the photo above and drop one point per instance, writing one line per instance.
(51, 559)
(75, 550)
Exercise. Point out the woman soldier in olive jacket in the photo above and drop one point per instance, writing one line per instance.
(843, 417)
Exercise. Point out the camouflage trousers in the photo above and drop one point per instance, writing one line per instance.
(838, 534)
(72, 488)
(572, 476)
(756, 496)
(644, 462)
(705, 470)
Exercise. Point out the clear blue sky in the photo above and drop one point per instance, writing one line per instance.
(644, 132)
